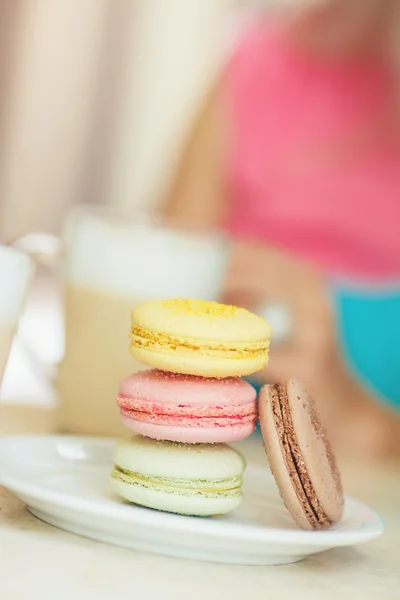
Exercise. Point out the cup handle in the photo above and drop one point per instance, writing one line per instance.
(46, 250)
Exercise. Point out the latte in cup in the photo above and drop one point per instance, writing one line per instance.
(111, 267)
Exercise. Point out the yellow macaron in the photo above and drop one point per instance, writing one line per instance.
(196, 337)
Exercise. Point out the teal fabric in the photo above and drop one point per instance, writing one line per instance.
(368, 322)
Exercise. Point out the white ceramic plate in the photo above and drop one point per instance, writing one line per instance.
(64, 481)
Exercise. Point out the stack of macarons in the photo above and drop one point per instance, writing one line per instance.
(189, 405)
(193, 401)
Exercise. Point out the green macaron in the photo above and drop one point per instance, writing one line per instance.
(188, 479)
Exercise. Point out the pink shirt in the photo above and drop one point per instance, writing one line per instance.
(296, 176)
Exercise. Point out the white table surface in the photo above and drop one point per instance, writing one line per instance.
(39, 561)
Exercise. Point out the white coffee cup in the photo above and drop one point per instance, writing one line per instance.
(109, 265)
(16, 269)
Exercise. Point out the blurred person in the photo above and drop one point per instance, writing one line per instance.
(296, 154)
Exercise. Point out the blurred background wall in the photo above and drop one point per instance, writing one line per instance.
(47, 109)
(96, 98)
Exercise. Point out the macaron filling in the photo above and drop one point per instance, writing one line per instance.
(155, 341)
(294, 459)
(190, 416)
(211, 488)
(188, 421)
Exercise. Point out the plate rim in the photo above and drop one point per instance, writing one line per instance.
(169, 521)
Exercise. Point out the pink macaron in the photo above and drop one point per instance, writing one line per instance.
(186, 408)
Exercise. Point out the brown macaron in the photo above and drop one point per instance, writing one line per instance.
(300, 456)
